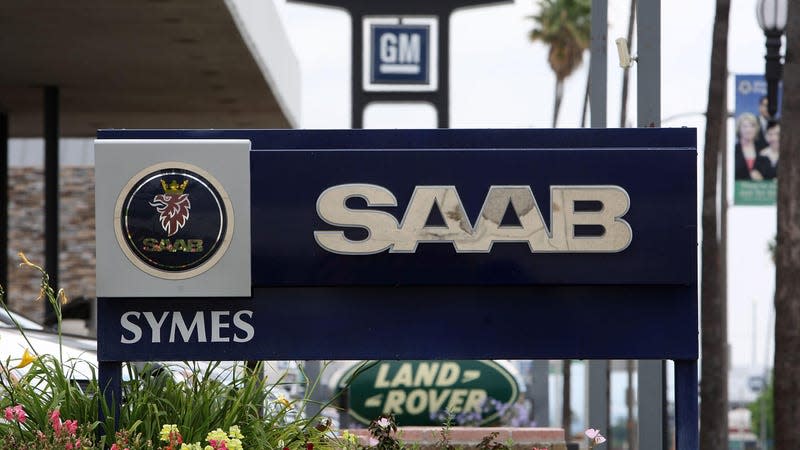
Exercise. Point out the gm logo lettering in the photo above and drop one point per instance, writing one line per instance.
(173, 220)
(582, 219)
(400, 54)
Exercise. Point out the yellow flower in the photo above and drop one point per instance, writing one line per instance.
(235, 432)
(195, 446)
(217, 435)
(234, 444)
(167, 430)
(27, 358)
(282, 400)
(25, 260)
(62, 296)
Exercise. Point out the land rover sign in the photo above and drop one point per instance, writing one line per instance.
(416, 392)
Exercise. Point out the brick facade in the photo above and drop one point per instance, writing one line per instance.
(26, 234)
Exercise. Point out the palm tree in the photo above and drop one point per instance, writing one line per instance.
(714, 365)
(787, 250)
(564, 25)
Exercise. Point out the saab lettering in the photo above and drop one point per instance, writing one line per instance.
(608, 232)
(166, 245)
(137, 325)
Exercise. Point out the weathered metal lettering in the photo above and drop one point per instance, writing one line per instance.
(385, 233)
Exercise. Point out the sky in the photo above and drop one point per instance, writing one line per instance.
(499, 79)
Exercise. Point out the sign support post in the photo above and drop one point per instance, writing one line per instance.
(401, 89)
(597, 395)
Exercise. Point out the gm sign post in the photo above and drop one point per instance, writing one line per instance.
(399, 245)
(400, 54)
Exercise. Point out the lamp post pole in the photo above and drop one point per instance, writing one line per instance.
(771, 16)
(774, 69)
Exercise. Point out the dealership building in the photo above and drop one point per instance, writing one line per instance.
(73, 68)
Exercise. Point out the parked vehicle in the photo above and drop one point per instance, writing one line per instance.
(79, 356)
(742, 440)
(7, 320)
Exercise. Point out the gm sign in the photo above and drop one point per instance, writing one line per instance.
(400, 54)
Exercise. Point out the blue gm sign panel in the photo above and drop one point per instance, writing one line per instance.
(400, 54)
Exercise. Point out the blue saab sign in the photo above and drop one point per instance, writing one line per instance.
(400, 54)
(512, 244)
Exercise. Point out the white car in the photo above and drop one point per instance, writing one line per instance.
(7, 320)
(80, 357)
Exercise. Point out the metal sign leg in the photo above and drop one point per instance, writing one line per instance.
(109, 377)
(686, 410)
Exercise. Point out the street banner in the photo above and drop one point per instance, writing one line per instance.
(755, 149)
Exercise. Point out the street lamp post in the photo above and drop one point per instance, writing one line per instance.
(771, 15)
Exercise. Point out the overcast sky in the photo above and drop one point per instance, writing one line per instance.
(499, 79)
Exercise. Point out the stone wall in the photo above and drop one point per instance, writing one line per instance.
(26, 234)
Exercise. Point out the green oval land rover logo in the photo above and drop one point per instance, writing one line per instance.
(419, 392)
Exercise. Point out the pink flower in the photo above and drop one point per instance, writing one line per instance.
(55, 418)
(16, 413)
(595, 436)
(22, 416)
(114, 447)
(71, 426)
(373, 442)
(68, 446)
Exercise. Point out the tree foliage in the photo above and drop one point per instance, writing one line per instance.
(564, 26)
(764, 404)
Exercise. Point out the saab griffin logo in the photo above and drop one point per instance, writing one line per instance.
(173, 206)
(173, 220)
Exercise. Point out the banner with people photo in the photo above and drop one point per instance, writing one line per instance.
(756, 144)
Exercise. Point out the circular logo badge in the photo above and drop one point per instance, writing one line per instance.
(173, 220)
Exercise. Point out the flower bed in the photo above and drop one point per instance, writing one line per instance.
(203, 408)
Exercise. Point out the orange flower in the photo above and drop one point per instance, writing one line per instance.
(25, 260)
